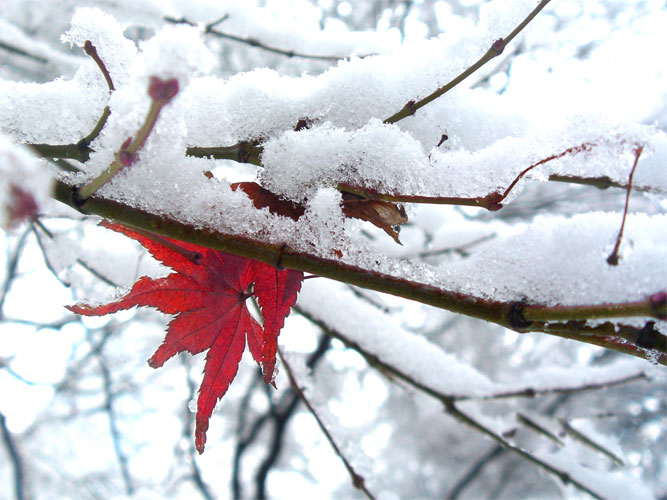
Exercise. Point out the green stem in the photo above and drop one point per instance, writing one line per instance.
(130, 150)
(642, 308)
(69, 151)
(85, 142)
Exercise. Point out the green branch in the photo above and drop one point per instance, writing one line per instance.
(514, 315)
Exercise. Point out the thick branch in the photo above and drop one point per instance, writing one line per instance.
(508, 314)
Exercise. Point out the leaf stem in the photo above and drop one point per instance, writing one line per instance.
(90, 49)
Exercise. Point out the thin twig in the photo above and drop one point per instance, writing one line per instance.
(460, 249)
(245, 434)
(491, 201)
(15, 459)
(357, 480)
(495, 50)
(455, 491)
(197, 477)
(591, 443)
(38, 223)
(81, 150)
(90, 49)
(535, 392)
(563, 475)
(161, 93)
(278, 416)
(602, 182)
(612, 260)
(253, 42)
(21, 52)
(449, 402)
(12, 265)
(113, 425)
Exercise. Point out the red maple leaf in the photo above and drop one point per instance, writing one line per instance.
(207, 293)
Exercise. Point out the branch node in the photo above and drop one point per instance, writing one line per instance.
(124, 156)
(516, 319)
(498, 46)
(77, 200)
(649, 337)
(494, 201)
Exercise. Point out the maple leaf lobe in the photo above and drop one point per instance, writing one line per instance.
(207, 297)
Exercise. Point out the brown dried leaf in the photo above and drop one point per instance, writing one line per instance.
(383, 214)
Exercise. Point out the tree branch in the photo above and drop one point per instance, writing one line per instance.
(495, 50)
(253, 42)
(12, 265)
(113, 426)
(15, 459)
(508, 314)
(449, 403)
(357, 480)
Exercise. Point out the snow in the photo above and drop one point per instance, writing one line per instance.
(106, 34)
(349, 143)
(377, 334)
(606, 484)
(537, 103)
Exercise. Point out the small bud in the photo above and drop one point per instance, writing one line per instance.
(442, 139)
(89, 48)
(498, 46)
(162, 90)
